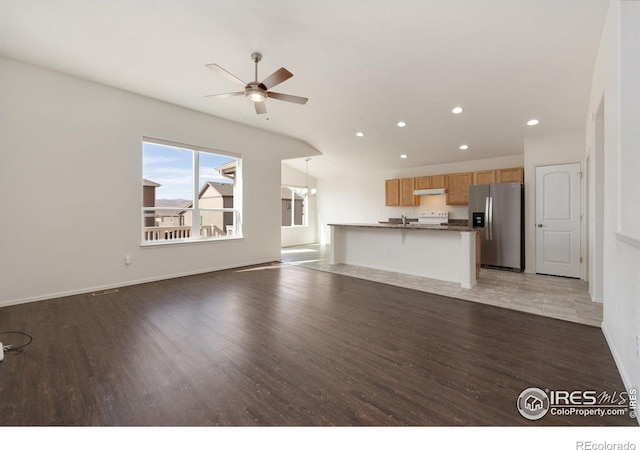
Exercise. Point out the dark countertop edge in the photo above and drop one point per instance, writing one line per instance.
(450, 223)
(403, 227)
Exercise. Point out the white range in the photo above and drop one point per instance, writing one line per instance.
(434, 218)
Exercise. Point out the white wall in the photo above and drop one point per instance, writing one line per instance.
(79, 143)
(560, 148)
(621, 256)
(360, 197)
(300, 235)
(629, 162)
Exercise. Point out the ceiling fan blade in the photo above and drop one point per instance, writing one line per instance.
(261, 108)
(228, 94)
(288, 98)
(228, 75)
(276, 78)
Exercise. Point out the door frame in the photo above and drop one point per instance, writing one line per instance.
(594, 187)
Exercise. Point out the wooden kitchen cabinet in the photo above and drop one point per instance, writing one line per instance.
(399, 192)
(513, 175)
(457, 185)
(407, 186)
(437, 181)
(484, 177)
(392, 192)
(430, 182)
(423, 182)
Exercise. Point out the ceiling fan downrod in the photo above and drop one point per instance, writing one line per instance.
(257, 57)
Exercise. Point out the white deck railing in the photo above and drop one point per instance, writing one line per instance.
(166, 233)
(184, 232)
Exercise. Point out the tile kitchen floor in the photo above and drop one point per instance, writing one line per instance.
(557, 297)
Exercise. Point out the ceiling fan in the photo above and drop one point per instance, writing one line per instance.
(257, 91)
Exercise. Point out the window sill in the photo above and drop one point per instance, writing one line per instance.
(165, 243)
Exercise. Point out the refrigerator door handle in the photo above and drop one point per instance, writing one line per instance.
(486, 215)
(490, 226)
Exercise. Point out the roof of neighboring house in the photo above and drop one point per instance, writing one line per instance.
(227, 169)
(146, 182)
(225, 190)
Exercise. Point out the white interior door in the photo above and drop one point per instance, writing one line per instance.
(558, 220)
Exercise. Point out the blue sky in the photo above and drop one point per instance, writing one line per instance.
(173, 168)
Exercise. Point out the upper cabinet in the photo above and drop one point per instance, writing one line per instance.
(392, 192)
(437, 181)
(457, 185)
(423, 182)
(407, 186)
(430, 182)
(484, 177)
(399, 192)
(513, 175)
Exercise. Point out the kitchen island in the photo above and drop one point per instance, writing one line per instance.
(442, 252)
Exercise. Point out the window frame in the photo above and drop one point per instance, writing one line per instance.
(291, 201)
(195, 230)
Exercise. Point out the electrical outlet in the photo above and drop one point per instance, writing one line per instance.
(127, 259)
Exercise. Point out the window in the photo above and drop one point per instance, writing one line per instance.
(189, 193)
(294, 206)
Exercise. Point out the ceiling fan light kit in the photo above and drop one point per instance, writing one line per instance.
(256, 91)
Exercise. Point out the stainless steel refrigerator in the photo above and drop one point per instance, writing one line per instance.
(496, 211)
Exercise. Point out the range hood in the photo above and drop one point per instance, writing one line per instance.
(429, 191)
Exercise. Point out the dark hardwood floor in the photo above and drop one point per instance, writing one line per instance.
(285, 345)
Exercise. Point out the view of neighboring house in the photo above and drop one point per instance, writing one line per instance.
(148, 200)
(213, 195)
(168, 218)
(176, 223)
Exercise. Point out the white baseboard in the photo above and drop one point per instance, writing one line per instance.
(616, 357)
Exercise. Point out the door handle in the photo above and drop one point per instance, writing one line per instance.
(539, 225)
(491, 218)
(486, 216)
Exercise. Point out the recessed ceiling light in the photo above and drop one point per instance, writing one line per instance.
(403, 156)
(533, 122)
(464, 147)
(456, 110)
(359, 134)
(402, 124)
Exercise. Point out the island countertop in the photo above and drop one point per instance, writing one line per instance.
(413, 226)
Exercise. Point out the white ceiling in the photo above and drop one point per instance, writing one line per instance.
(364, 64)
